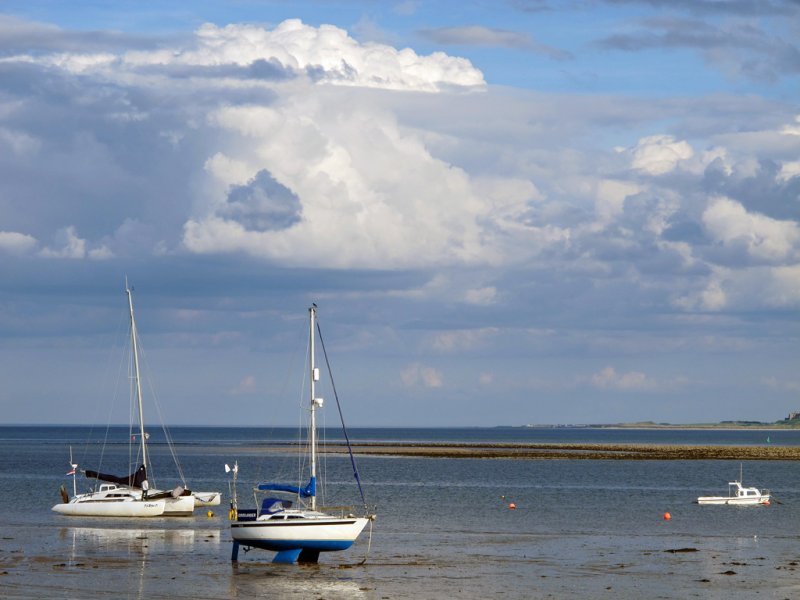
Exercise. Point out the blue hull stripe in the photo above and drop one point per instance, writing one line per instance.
(281, 545)
(279, 523)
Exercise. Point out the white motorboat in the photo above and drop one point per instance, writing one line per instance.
(738, 495)
(131, 496)
(296, 529)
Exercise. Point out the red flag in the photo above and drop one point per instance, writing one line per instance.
(71, 472)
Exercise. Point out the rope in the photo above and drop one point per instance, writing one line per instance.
(341, 417)
(369, 544)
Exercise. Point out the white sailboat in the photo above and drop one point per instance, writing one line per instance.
(110, 499)
(131, 496)
(301, 532)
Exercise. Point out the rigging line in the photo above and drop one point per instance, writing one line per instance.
(102, 389)
(120, 370)
(322, 439)
(341, 416)
(157, 404)
(279, 393)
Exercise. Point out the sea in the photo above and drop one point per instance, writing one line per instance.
(444, 526)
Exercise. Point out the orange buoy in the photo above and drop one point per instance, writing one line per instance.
(667, 516)
(512, 506)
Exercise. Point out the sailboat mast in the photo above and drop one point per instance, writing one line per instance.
(136, 374)
(312, 314)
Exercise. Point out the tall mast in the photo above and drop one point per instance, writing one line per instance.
(136, 373)
(312, 314)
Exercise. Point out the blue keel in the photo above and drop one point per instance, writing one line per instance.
(235, 552)
(287, 556)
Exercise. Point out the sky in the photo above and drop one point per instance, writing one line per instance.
(508, 212)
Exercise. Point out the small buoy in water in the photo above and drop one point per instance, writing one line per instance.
(210, 514)
(667, 516)
(512, 506)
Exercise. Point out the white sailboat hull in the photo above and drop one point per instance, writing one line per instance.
(321, 534)
(115, 501)
(106, 508)
(182, 506)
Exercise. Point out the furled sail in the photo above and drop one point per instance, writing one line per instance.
(137, 479)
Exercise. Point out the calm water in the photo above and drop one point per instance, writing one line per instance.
(581, 527)
(248, 436)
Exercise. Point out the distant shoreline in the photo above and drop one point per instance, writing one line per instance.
(732, 425)
(737, 425)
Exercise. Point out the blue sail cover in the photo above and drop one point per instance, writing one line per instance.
(305, 492)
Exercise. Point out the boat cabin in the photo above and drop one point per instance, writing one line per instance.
(743, 492)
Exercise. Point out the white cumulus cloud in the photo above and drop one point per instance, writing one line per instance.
(16, 243)
(761, 237)
(375, 199)
(247, 385)
(72, 246)
(660, 154)
(417, 374)
(631, 381)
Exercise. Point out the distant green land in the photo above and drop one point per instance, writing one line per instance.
(793, 423)
(782, 424)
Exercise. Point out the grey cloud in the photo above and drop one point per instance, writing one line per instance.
(761, 192)
(99, 155)
(682, 230)
(741, 50)
(722, 8)
(22, 36)
(345, 72)
(484, 36)
(747, 8)
(261, 69)
(262, 204)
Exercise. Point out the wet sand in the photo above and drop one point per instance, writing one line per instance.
(98, 563)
